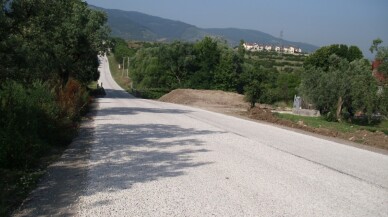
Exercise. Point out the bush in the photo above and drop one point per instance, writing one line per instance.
(72, 100)
(25, 115)
(34, 118)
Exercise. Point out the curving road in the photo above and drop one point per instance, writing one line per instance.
(151, 158)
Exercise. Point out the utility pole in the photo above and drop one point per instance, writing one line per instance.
(127, 67)
(122, 73)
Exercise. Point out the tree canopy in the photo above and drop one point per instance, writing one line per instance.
(320, 58)
(51, 40)
(48, 54)
(342, 89)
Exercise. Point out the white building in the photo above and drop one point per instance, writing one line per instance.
(268, 47)
(276, 48)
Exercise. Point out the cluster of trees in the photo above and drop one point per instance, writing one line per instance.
(210, 64)
(336, 78)
(339, 82)
(206, 65)
(48, 53)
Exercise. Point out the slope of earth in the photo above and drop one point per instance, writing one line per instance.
(214, 100)
(234, 104)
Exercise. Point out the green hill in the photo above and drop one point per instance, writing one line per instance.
(138, 26)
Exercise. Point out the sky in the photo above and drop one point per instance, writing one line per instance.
(318, 22)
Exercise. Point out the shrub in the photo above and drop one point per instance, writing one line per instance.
(26, 119)
(36, 117)
(72, 100)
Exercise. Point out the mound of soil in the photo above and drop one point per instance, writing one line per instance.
(215, 100)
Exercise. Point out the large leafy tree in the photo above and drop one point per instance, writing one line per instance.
(207, 58)
(228, 72)
(52, 40)
(257, 83)
(343, 88)
(320, 58)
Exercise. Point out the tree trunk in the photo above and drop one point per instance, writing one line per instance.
(339, 108)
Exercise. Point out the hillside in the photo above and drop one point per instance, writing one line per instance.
(138, 26)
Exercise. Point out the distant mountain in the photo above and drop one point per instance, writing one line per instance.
(138, 26)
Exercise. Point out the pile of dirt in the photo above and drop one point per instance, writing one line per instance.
(215, 100)
(234, 104)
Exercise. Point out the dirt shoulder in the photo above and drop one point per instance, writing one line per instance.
(234, 104)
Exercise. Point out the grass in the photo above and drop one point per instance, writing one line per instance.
(344, 127)
(117, 73)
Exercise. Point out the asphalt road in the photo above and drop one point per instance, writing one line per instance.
(151, 158)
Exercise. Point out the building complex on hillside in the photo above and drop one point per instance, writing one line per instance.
(276, 48)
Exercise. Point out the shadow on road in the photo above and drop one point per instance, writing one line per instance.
(58, 191)
(117, 94)
(136, 110)
(125, 155)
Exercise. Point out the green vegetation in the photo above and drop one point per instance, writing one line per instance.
(344, 127)
(335, 79)
(208, 64)
(118, 74)
(320, 58)
(342, 86)
(381, 57)
(48, 53)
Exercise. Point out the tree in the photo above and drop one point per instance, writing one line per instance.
(52, 40)
(375, 45)
(382, 57)
(320, 58)
(228, 72)
(207, 58)
(256, 80)
(179, 59)
(343, 87)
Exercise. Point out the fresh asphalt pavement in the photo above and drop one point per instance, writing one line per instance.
(149, 158)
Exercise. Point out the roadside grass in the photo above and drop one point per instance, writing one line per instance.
(117, 74)
(344, 127)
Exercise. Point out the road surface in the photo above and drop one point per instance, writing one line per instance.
(150, 158)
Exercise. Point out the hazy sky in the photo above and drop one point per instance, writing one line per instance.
(319, 22)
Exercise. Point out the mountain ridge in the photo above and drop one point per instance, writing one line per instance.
(133, 25)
